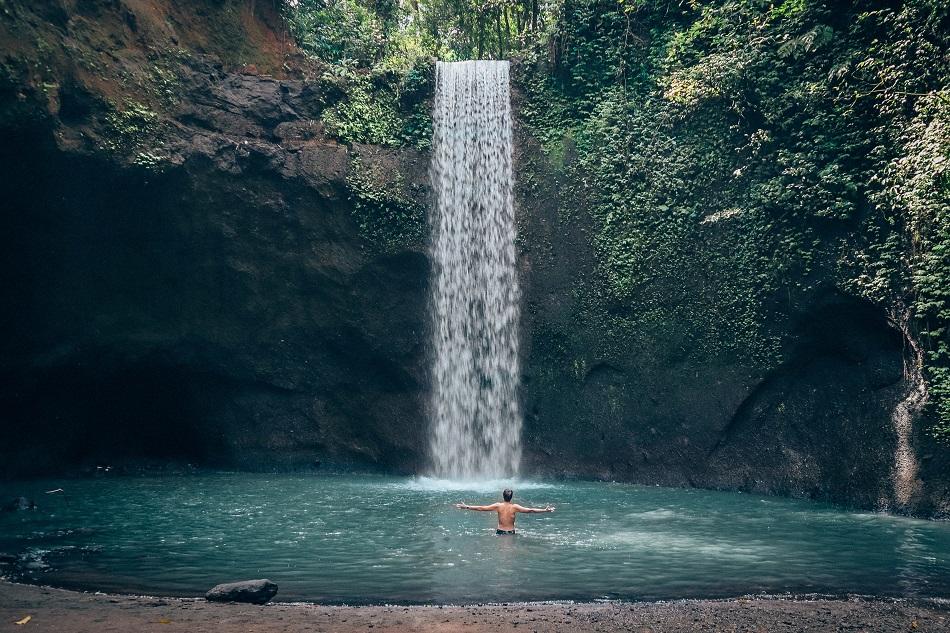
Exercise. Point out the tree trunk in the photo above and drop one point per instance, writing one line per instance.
(481, 34)
(501, 44)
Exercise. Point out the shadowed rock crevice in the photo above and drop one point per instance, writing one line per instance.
(819, 425)
(96, 412)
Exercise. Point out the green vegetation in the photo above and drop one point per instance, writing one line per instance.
(128, 128)
(390, 34)
(377, 77)
(913, 192)
(739, 155)
(379, 107)
(734, 157)
(388, 215)
(134, 130)
(378, 56)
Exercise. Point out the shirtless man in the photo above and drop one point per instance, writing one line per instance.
(506, 511)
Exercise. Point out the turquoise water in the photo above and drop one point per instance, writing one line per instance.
(359, 539)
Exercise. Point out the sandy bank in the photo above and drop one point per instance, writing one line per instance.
(61, 610)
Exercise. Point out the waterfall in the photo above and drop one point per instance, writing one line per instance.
(476, 421)
(905, 470)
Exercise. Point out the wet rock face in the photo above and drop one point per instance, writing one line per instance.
(18, 503)
(819, 424)
(220, 309)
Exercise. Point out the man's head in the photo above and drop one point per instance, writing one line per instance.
(507, 494)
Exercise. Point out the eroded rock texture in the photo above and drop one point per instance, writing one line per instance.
(220, 306)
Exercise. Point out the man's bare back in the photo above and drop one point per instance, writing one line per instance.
(506, 510)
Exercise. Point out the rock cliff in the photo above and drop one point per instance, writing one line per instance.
(185, 273)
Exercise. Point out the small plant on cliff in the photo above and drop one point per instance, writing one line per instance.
(149, 160)
(128, 128)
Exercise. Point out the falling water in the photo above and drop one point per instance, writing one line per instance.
(476, 430)
(904, 473)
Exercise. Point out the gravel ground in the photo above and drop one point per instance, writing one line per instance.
(61, 610)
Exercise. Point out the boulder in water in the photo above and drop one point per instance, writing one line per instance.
(20, 503)
(253, 591)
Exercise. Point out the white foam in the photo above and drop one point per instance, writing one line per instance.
(679, 544)
(434, 484)
(660, 513)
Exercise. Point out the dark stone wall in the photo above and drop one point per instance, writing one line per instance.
(223, 317)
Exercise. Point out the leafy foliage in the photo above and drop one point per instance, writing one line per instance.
(339, 32)
(130, 127)
(915, 192)
(379, 54)
(736, 156)
(383, 108)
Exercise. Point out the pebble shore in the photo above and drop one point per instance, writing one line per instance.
(76, 612)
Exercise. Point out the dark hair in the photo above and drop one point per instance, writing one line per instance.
(507, 493)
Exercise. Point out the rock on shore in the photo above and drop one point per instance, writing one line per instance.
(253, 591)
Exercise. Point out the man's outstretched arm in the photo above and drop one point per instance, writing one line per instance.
(463, 506)
(531, 510)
